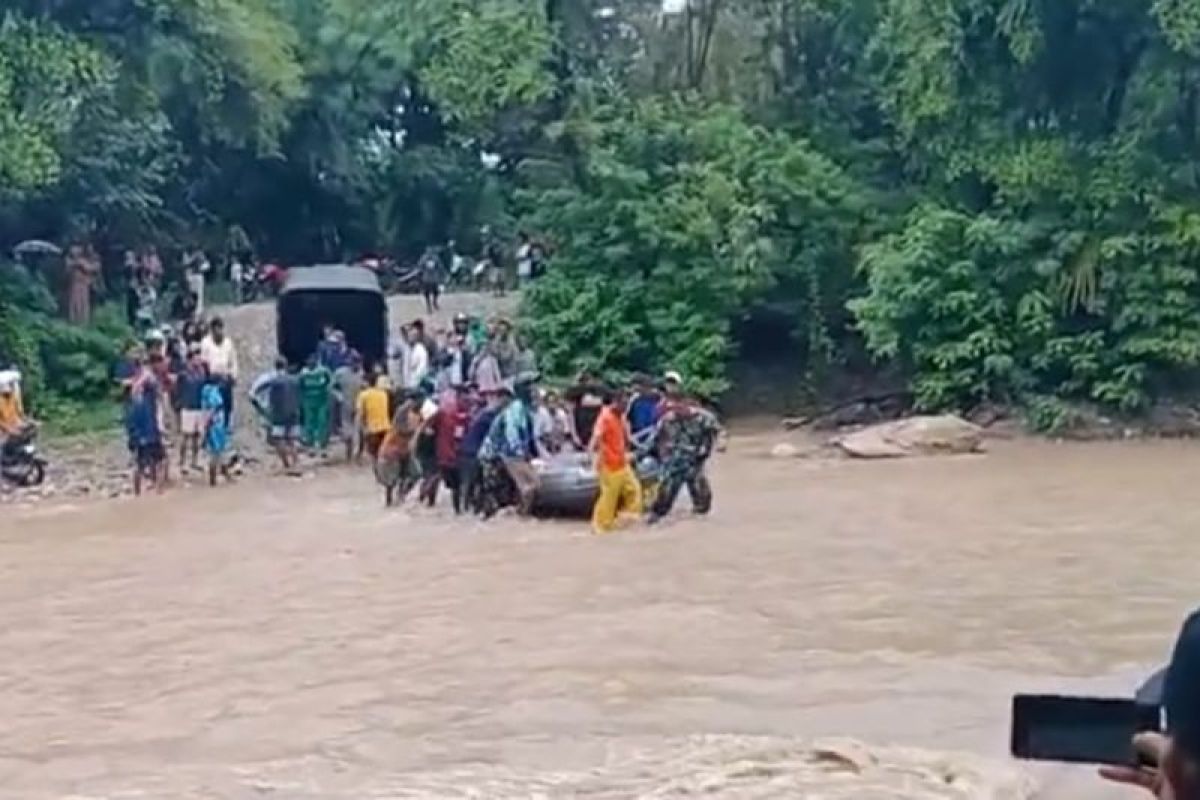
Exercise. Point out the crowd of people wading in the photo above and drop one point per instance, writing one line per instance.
(461, 413)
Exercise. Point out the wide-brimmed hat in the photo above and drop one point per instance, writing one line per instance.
(671, 376)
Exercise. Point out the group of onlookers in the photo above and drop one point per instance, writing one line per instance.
(179, 385)
(462, 409)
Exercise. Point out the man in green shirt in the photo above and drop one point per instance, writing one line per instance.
(316, 383)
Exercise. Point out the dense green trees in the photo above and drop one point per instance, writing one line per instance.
(996, 197)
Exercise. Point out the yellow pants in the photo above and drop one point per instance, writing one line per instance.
(619, 492)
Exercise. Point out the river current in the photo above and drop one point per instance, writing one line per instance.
(291, 639)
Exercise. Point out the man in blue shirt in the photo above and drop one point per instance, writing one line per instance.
(468, 450)
(216, 431)
(189, 386)
(144, 428)
(332, 351)
(508, 451)
(643, 408)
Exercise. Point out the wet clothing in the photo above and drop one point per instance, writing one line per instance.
(477, 432)
(399, 440)
(511, 435)
(469, 470)
(642, 413)
(687, 437)
(505, 458)
(395, 468)
(612, 444)
(446, 427)
(493, 489)
(620, 493)
(315, 384)
(450, 427)
(525, 480)
(673, 481)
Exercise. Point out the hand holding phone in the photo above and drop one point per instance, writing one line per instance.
(1152, 750)
(1081, 730)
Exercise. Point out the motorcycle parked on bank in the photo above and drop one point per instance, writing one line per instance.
(21, 464)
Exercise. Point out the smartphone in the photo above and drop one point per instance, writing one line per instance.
(1080, 730)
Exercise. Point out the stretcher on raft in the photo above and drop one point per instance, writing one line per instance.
(568, 486)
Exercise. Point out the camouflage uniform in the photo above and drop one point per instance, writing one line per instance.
(687, 436)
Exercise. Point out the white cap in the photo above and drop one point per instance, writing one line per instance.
(673, 377)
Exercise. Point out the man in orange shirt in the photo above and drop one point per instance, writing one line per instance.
(619, 487)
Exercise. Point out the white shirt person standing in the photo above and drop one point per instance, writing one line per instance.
(412, 358)
(220, 355)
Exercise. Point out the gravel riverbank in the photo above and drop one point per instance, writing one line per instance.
(98, 465)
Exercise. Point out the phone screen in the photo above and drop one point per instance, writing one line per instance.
(1081, 730)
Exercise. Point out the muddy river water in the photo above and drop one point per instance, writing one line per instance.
(290, 639)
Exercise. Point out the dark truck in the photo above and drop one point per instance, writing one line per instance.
(346, 297)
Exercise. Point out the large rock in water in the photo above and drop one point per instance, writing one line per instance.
(934, 435)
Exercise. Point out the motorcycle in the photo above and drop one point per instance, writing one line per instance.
(264, 282)
(402, 280)
(20, 462)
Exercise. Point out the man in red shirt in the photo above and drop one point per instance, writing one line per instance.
(619, 487)
(449, 428)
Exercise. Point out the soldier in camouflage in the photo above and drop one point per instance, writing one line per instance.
(686, 436)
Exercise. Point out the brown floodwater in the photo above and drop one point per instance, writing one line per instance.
(292, 639)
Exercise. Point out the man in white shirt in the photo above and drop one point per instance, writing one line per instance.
(413, 358)
(220, 355)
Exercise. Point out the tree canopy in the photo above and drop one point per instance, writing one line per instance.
(994, 198)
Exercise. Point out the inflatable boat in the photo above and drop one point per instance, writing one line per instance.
(567, 484)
